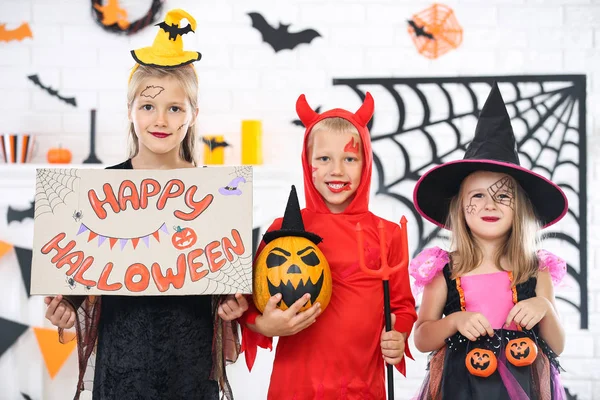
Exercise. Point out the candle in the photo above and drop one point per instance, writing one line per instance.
(252, 142)
(214, 150)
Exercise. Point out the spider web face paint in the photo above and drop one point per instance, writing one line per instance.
(503, 192)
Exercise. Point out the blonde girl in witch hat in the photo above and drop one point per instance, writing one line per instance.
(488, 312)
(162, 347)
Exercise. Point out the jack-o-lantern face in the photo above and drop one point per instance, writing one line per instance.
(183, 238)
(292, 266)
(521, 352)
(481, 362)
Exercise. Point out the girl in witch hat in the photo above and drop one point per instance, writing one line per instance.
(154, 347)
(488, 312)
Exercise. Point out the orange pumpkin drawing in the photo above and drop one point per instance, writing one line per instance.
(521, 352)
(481, 362)
(435, 31)
(59, 156)
(183, 238)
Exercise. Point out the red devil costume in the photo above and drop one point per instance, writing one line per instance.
(339, 356)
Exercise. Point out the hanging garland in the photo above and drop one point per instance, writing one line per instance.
(112, 18)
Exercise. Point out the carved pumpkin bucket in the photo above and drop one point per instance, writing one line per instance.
(481, 362)
(521, 352)
(291, 264)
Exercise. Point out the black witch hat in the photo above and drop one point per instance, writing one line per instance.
(292, 224)
(493, 149)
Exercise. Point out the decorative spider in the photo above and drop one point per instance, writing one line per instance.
(71, 282)
(77, 215)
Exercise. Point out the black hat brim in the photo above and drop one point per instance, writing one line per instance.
(270, 236)
(434, 191)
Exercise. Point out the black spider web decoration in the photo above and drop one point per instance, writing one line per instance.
(52, 188)
(434, 120)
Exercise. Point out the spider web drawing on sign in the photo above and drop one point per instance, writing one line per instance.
(52, 188)
(243, 171)
(231, 275)
(422, 122)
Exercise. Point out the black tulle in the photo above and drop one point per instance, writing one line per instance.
(155, 348)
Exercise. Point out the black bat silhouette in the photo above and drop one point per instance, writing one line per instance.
(25, 396)
(70, 100)
(279, 38)
(420, 30)
(174, 30)
(297, 122)
(19, 215)
(213, 144)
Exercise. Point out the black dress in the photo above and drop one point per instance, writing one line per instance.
(154, 347)
(449, 379)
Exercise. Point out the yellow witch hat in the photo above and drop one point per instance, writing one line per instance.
(167, 49)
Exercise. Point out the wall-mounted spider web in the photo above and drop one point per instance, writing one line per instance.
(423, 122)
(52, 188)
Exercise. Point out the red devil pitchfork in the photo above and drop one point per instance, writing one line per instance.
(384, 273)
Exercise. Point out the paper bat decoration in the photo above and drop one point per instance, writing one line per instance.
(213, 144)
(19, 215)
(420, 30)
(174, 30)
(25, 396)
(297, 122)
(70, 100)
(279, 38)
(20, 33)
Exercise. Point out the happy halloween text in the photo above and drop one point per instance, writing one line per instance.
(215, 254)
(137, 276)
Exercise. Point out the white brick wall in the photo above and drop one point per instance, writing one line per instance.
(242, 77)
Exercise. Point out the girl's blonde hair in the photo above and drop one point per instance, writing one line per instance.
(520, 246)
(186, 76)
(335, 125)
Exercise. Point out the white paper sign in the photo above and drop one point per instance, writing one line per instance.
(143, 232)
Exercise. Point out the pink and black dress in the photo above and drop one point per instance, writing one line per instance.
(492, 295)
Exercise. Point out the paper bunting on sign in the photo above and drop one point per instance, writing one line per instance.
(4, 248)
(55, 353)
(24, 258)
(122, 241)
(10, 332)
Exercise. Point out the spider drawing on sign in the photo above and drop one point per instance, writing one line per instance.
(77, 215)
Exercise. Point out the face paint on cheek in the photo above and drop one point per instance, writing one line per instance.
(182, 125)
(471, 208)
(503, 192)
(152, 91)
(351, 146)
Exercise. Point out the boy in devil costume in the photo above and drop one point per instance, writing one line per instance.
(338, 354)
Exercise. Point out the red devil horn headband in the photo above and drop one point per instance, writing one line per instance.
(308, 115)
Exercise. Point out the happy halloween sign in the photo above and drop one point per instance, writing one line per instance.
(141, 232)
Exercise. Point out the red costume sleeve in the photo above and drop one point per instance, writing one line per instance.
(252, 340)
(402, 300)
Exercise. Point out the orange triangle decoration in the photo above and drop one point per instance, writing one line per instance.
(55, 353)
(4, 248)
(134, 242)
(112, 242)
(155, 234)
(92, 235)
